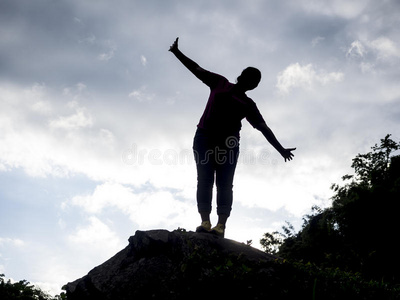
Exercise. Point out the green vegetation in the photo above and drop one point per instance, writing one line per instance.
(233, 276)
(355, 238)
(23, 290)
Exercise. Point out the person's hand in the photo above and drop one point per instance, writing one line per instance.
(174, 46)
(287, 153)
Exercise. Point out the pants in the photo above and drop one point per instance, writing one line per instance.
(216, 157)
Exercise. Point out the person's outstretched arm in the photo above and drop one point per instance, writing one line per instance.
(186, 61)
(269, 135)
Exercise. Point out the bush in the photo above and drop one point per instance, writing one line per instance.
(355, 238)
(23, 290)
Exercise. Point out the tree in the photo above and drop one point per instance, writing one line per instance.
(23, 290)
(359, 231)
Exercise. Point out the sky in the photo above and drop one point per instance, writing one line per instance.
(97, 118)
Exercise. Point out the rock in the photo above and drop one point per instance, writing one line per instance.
(159, 264)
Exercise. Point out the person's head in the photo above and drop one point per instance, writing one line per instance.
(249, 79)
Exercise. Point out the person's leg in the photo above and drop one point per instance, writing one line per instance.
(205, 216)
(222, 219)
(225, 171)
(205, 177)
(205, 182)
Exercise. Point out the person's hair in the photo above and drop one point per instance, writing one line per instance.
(250, 74)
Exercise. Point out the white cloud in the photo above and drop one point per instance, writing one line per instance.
(367, 67)
(147, 209)
(95, 242)
(143, 60)
(304, 76)
(142, 95)
(380, 50)
(96, 233)
(42, 107)
(326, 78)
(65, 139)
(80, 119)
(107, 194)
(44, 137)
(12, 242)
(295, 75)
(76, 92)
(356, 49)
(385, 47)
(109, 53)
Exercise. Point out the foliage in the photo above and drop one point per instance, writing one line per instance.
(358, 232)
(372, 168)
(213, 274)
(23, 290)
(333, 283)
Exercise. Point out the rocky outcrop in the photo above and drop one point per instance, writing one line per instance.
(159, 264)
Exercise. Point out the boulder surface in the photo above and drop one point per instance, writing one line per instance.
(159, 264)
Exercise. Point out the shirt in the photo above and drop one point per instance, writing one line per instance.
(225, 109)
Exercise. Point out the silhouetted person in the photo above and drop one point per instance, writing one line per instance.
(216, 142)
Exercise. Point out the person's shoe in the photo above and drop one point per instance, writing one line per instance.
(204, 227)
(219, 230)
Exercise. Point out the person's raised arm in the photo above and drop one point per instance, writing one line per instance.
(269, 135)
(186, 61)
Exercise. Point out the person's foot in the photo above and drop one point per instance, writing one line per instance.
(219, 230)
(204, 227)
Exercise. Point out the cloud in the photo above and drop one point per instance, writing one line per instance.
(341, 8)
(356, 49)
(106, 56)
(147, 209)
(46, 132)
(315, 41)
(47, 137)
(305, 77)
(143, 60)
(374, 54)
(80, 119)
(12, 242)
(106, 195)
(94, 242)
(142, 95)
(96, 233)
(385, 48)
